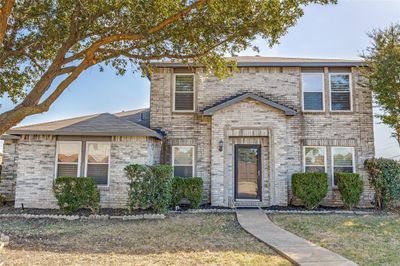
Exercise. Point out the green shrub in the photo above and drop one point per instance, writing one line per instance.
(73, 193)
(384, 177)
(190, 188)
(310, 188)
(350, 186)
(150, 187)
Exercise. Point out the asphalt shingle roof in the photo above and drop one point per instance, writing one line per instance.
(253, 61)
(104, 124)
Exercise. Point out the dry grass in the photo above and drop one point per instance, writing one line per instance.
(367, 240)
(201, 239)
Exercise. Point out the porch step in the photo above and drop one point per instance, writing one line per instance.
(239, 204)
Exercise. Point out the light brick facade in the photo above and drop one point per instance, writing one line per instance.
(29, 163)
(33, 169)
(286, 135)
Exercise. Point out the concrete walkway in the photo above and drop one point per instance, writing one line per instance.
(294, 248)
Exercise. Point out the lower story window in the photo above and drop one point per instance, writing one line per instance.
(183, 161)
(314, 159)
(68, 158)
(97, 161)
(342, 160)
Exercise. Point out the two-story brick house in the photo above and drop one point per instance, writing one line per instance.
(244, 135)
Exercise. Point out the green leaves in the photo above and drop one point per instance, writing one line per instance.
(384, 177)
(149, 187)
(38, 31)
(311, 188)
(383, 74)
(74, 193)
(350, 187)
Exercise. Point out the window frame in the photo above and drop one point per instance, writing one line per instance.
(193, 158)
(333, 161)
(323, 92)
(109, 160)
(79, 156)
(325, 157)
(350, 92)
(174, 92)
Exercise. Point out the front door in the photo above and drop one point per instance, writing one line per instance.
(247, 171)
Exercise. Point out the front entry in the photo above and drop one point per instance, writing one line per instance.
(247, 172)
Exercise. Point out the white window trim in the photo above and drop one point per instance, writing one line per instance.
(323, 93)
(109, 159)
(333, 163)
(173, 94)
(193, 158)
(304, 157)
(79, 156)
(350, 90)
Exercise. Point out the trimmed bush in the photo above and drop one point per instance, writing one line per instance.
(150, 187)
(73, 193)
(384, 177)
(350, 186)
(310, 188)
(190, 188)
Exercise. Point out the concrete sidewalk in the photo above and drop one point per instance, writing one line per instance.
(294, 248)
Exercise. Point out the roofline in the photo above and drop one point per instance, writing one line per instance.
(288, 111)
(272, 64)
(97, 133)
(8, 136)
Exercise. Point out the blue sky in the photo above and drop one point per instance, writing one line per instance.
(335, 31)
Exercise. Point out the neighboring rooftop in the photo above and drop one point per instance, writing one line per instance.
(253, 61)
(104, 124)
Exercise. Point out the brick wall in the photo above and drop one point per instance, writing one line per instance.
(35, 169)
(278, 84)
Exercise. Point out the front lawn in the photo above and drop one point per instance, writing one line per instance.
(187, 239)
(367, 240)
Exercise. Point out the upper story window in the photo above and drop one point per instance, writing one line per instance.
(184, 93)
(68, 158)
(313, 91)
(183, 161)
(340, 88)
(97, 161)
(342, 160)
(314, 159)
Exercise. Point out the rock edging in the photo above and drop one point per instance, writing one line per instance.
(90, 217)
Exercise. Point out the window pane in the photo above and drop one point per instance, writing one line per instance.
(313, 88)
(340, 83)
(183, 171)
(98, 152)
(184, 101)
(342, 157)
(183, 155)
(68, 152)
(315, 169)
(340, 101)
(315, 156)
(184, 83)
(312, 82)
(313, 101)
(99, 172)
(67, 170)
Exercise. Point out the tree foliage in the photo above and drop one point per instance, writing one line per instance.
(46, 44)
(383, 74)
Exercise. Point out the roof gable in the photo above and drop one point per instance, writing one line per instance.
(248, 95)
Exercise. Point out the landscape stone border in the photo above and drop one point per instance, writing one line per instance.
(150, 216)
(90, 217)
